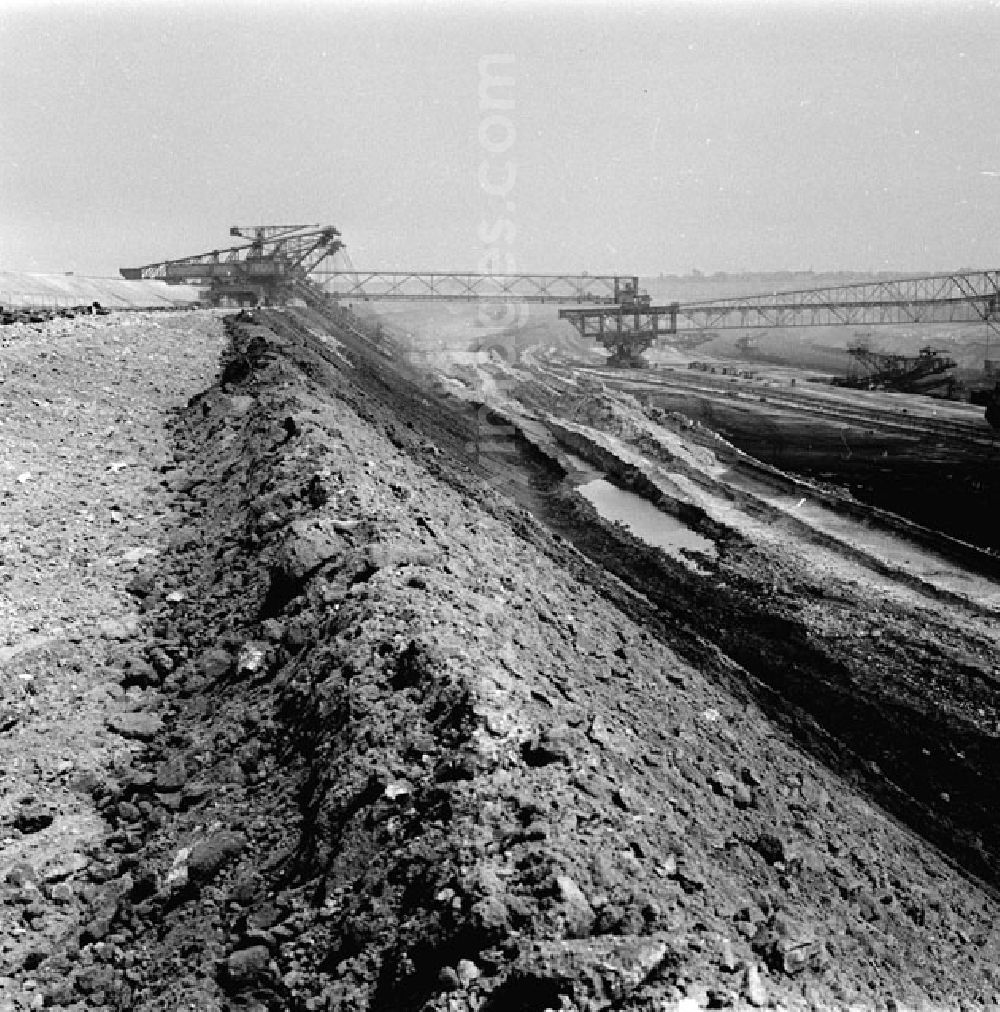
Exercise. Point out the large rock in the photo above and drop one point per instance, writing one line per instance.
(550, 745)
(209, 856)
(308, 546)
(788, 946)
(576, 908)
(141, 673)
(144, 726)
(215, 663)
(753, 988)
(32, 818)
(247, 966)
(171, 775)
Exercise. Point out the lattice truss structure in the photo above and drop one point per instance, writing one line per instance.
(457, 286)
(964, 296)
(279, 260)
(631, 326)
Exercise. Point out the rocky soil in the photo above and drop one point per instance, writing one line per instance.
(82, 439)
(302, 709)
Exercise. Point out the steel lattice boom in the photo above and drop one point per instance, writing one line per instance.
(938, 298)
(461, 286)
(631, 326)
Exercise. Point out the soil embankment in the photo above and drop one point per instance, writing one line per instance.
(388, 741)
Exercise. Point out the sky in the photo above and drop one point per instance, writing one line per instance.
(530, 136)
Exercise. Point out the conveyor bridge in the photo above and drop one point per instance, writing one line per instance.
(278, 261)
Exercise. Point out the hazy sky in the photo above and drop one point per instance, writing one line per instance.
(633, 138)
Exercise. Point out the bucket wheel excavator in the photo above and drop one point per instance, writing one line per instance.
(902, 373)
(267, 270)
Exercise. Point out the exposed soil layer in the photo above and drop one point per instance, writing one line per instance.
(393, 742)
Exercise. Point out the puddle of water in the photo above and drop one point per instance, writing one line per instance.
(645, 521)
